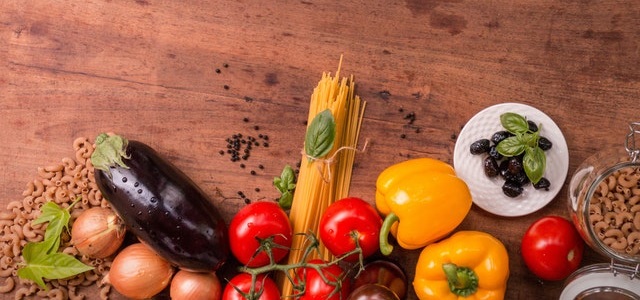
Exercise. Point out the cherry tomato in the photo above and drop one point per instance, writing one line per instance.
(259, 221)
(552, 248)
(383, 273)
(372, 291)
(349, 220)
(315, 286)
(265, 287)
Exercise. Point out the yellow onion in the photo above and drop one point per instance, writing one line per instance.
(137, 272)
(187, 285)
(97, 232)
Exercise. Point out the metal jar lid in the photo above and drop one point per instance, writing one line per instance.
(603, 281)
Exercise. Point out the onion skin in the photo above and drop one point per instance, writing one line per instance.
(97, 233)
(187, 285)
(137, 272)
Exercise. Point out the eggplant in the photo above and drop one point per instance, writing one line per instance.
(158, 203)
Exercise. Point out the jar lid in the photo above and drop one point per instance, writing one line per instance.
(603, 281)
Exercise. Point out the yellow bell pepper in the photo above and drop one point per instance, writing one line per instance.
(423, 201)
(468, 265)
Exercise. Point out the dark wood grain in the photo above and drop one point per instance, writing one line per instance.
(149, 70)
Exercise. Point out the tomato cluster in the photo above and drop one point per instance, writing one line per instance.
(260, 235)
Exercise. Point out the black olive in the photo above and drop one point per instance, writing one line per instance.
(504, 167)
(544, 143)
(533, 127)
(514, 165)
(480, 146)
(491, 168)
(519, 178)
(543, 183)
(511, 189)
(493, 152)
(498, 136)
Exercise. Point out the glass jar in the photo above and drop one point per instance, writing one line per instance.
(604, 205)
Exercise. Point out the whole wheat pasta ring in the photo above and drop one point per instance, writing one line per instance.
(619, 244)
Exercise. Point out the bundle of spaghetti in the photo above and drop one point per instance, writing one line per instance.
(326, 180)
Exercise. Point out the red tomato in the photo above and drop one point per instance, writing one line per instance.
(259, 221)
(316, 288)
(349, 220)
(552, 248)
(265, 287)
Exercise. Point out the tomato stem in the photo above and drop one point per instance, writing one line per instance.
(312, 246)
(385, 247)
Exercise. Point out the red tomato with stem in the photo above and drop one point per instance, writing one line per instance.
(258, 228)
(264, 286)
(552, 248)
(337, 286)
(349, 220)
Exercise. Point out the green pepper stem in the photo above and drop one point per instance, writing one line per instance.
(385, 247)
(462, 281)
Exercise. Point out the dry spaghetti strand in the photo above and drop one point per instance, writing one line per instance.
(324, 181)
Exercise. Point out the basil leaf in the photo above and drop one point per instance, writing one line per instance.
(285, 200)
(52, 266)
(42, 259)
(529, 139)
(534, 162)
(58, 220)
(320, 135)
(511, 146)
(285, 184)
(514, 123)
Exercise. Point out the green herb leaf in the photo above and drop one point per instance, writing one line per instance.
(51, 266)
(41, 258)
(58, 220)
(285, 184)
(285, 200)
(534, 162)
(320, 135)
(514, 122)
(511, 146)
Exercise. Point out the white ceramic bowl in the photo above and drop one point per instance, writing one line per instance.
(487, 192)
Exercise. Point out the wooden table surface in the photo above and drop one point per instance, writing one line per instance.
(183, 76)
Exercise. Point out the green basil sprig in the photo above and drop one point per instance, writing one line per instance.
(42, 258)
(286, 185)
(524, 141)
(320, 135)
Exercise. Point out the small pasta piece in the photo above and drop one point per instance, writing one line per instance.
(610, 217)
(634, 238)
(635, 208)
(633, 250)
(104, 292)
(619, 205)
(614, 232)
(627, 228)
(8, 285)
(595, 209)
(636, 220)
(619, 244)
(627, 180)
(600, 228)
(22, 293)
(622, 217)
(58, 293)
(595, 218)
